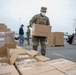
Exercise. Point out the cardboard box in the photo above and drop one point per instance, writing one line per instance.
(18, 47)
(42, 58)
(8, 70)
(41, 30)
(56, 38)
(4, 51)
(34, 68)
(11, 45)
(58, 63)
(26, 57)
(7, 38)
(69, 70)
(51, 40)
(54, 72)
(2, 34)
(31, 59)
(32, 53)
(10, 60)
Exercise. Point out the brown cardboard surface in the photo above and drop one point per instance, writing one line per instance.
(20, 51)
(14, 57)
(5, 60)
(8, 70)
(4, 51)
(41, 30)
(35, 68)
(69, 70)
(42, 58)
(2, 34)
(54, 72)
(32, 52)
(13, 45)
(60, 63)
(51, 40)
(56, 38)
(18, 47)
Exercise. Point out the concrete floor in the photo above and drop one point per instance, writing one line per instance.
(67, 51)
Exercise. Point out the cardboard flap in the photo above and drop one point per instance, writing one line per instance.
(42, 58)
(22, 51)
(32, 52)
(14, 57)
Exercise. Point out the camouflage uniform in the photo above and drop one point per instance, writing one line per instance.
(28, 36)
(44, 20)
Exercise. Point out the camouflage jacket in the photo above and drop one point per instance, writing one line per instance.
(39, 19)
(28, 32)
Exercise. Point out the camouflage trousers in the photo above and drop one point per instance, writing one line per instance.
(42, 40)
(28, 39)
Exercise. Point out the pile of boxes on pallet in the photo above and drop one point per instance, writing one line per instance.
(54, 38)
(19, 61)
(6, 36)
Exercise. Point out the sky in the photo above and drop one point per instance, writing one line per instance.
(60, 12)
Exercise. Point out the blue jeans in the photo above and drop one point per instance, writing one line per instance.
(21, 38)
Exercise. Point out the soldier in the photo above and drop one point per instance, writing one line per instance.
(28, 35)
(44, 20)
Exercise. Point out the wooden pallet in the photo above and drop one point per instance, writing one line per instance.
(57, 45)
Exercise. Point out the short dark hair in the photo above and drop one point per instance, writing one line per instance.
(27, 26)
(22, 25)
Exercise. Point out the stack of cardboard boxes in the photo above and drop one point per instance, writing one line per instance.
(6, 36)
(3, 28)
(24, 62)
(56, 39)
(18, 61)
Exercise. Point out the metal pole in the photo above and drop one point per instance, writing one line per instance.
(19, 22)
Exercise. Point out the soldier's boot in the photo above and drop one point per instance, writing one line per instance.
(35, 48)
(43, 52)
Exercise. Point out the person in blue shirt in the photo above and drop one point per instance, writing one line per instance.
(21, 35)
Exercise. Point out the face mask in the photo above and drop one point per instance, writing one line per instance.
(43, 13)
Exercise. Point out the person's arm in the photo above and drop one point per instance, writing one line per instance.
(32, 21)
(48, 22)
